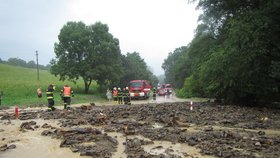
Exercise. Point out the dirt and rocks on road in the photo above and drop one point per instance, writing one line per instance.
(151, 130)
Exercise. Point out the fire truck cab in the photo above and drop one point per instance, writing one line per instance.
(139, 89)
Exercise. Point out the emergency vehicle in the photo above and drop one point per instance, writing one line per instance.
(139, 89)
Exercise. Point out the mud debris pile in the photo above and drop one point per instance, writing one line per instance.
(216, 130)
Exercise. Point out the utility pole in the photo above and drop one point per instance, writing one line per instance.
(37, 64)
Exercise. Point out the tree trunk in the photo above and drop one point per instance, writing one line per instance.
(87, 84)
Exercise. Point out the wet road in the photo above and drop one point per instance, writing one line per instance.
(31, 144)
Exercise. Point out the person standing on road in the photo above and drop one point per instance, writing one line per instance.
(126, 96)
(39, 94)
(50, 97)
(115, 95)
(154, 93)
(120, 97)
(66, 94)
(109, 95)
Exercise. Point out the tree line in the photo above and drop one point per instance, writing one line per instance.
(92, 53)
(234, 55)
(23, 63)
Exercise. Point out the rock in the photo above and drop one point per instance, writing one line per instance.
(27, 125)
(261, 133)
(3, 147)
(258, 144)
(192, 142)
(12, 146)
(209, 128)
(45, 125)
(74, 149)
(46, 133)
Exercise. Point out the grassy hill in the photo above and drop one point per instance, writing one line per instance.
(20, 84)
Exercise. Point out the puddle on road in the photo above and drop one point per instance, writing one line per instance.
(31, 144)
(165, 147)
(268, 132)
(157, 148)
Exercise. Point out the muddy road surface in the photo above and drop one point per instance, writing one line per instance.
(167, 127)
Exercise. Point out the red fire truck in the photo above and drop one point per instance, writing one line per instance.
(139, 89)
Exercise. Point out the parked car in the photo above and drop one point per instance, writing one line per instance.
(165, 89)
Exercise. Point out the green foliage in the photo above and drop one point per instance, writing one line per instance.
(20, 84)
(89, 52)
(235, 53)
(174, 67)
(135, 68)
(22, 63)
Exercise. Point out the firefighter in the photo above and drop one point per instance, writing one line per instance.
(50, 97)
(120, 97)
(127, 96)
(115, 95)
(124, 95)
(154, 93)
(66, 94)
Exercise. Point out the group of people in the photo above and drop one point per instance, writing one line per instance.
(66, 93)
(120, 96)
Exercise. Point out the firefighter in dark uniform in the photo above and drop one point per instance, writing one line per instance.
(124, 95)
(66, 94)
(120, 96)
(154, 93)
(127, 96)
(50, 97)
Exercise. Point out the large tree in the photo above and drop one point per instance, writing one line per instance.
(136, 68)
(234, 54)
(89, 52)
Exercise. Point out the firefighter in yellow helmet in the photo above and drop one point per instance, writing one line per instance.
(50, 97)
(120, 96)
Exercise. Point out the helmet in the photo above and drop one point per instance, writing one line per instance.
(119, 88)
(126, 88)
(115, 88)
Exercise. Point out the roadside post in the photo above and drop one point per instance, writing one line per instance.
(16, 112)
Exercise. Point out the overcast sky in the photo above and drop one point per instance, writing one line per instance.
(152, 28)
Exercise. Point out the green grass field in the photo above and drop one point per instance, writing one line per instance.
(20, 84)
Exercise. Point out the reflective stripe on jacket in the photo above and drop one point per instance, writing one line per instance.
(49, 93)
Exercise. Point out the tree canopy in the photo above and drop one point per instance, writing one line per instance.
(234, 55)
(89, 52)
(136, 68)
(92, 53)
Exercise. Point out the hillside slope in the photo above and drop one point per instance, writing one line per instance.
(20, 84)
